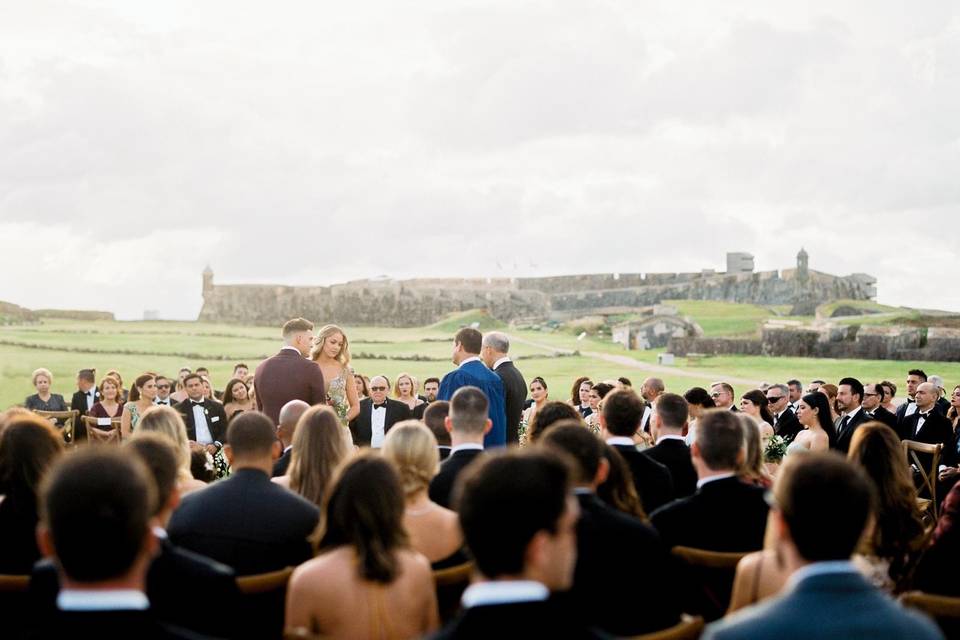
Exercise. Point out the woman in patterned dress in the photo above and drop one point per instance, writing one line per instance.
(331, 352)
(141, 398)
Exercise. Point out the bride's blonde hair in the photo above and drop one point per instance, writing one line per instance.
(328, 330)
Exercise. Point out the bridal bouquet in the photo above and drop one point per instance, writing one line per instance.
(776, 449)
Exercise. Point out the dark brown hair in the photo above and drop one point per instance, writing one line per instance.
(549, 414)
(470, 339)
(141, 380)
(575, 390)
(228, 390)
(619, 491)
(622, 411)
(296, 326)
(28, 446)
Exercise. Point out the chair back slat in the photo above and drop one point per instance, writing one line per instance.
(95, 434)
(450, 584)
(709, 575)
(912, 451)
(67, 418)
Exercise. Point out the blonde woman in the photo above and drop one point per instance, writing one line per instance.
(167, 422)
(405, 390)
(318, 449)
(434, 531)
(331, 352)
(141, 398)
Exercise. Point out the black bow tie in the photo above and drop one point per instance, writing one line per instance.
(196, 404)
(167, 402)
(910, 400)
(89, 393)
(379, 406)
(924, 415)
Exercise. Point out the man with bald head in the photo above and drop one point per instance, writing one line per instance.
(289, 417)
(926, 424)
(377, 414)
(650, 390)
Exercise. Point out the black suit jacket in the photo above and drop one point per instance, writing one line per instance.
(845, 434)
(79, 401)
(282, 464)
(902, 409)
(108, 625)
(886, 417)
(787, 426)
(545, 619)
(723, 515)
(216, 419)
(675, 456)
(246, 522)
(936, 429)
(515, 393)
(361, 428)
(616, 587)
(442, 484)
(651, 478)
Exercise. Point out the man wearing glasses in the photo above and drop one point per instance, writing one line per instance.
(377, 414)
(163, 392)
(785, 422)
(722, 394)
(873, 404)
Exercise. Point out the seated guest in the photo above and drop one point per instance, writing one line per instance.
(204, 418)
(889, 393)
(164, 387)
(898, 532)
(519, 519)
(784, 412)
(29, 446)
(181, 391)
(378, 414)
(43, 399)
(549, 414)
(108, 406)
(290, 415)
(613, 549)
(246, 521)
(620, 419)
(95, 524)
(319, 447)
(363, 386)
(467, 423)
(926, 424)
(759, 576)
(580, 396)
(366, 582)
(124, 393)
(433, 530)
(598, 392)
(405, 390)
(618, 490)
(86, 394)
(873, 395)
(140, 399)
(725, 514)
(236, 398)
(822, 504)
(938, 568)
(435, 417)
(668, 423)
(168, 423)
(698, 400)
(849, 399)
(752, 469)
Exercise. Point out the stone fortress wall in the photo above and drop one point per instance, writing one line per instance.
(423, 301)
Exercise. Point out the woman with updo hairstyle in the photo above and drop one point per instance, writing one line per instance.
(236, 398)
(43, 399)
(331, 352)
(754, 404)
(405, 390)
(831, 391)
(366, 581)
(598, 392)
(318, 448)
(168, 422)
(540, 396)
(434, 531)
(142, 395)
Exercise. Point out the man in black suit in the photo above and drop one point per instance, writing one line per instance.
(619, 421)
(722, 394)
(519, 521)
(205, 419)
(606, 591)
(494, 355)
(467, 423)
(246, 521)
(915, 377)
(290, 415)
(95, 522)
(671, 450)
(873, 396)
(926, 424)
(378, 414)
(435, 417)
(86, 395)
(849, 399)
(725, 514)
(785, 423)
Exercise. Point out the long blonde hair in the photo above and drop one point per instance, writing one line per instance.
(325, 332)
(414, 385)
(412, 448)
(167, 422)
(319, 446)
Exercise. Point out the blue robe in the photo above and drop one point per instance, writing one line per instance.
(476, 374)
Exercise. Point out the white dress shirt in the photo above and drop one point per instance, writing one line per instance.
(378, 419)
(624, 440)
(500, 362)
(504, 592)
(89, 600)
(719, 476)
(201, 427)
(470, 359)
(671, 437)
(91, 397)
(467, 446)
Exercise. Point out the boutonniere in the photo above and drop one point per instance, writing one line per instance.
(206, 412)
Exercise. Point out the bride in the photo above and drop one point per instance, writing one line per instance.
(818, 433)
(331, 352)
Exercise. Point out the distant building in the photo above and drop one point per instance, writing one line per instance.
(739, 263)
(151, 314)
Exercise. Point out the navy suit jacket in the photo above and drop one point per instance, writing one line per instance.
(476, 374)
(832, 605)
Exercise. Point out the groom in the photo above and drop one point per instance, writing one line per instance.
(289, 375)
(472, 372)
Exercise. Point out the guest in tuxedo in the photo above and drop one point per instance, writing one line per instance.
(246, 521)
(889, 393)
(915, 377)
(471, 372)
(548, 415)
(431, 387)
(494, 351)
(241, 370)
(205, 420)
(319, 446)
(366, 581)
(724, 514)
(167, 423)
(467, 423)
(722, 394)
(95, 495)
(940, 565)
(289, 375)
(849, 399)
(580, 396)
(606, 592)
(929, 426)
(290, 415)
(650, 391)
(519, 519)
(405, 390)
(108, 403)
(822, 506)
(435, 417)
(669, 423)
(873, 397)
(619, 421)
(164, 387)
(86, 394)
(794, 393)
(29, 446)
(698, 400)
(378, 414)
(43, 399)
(781, 406)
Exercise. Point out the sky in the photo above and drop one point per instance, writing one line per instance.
(314, 143)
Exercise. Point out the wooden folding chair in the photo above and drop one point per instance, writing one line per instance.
(912, 451)
(450, 584)
(945, 610)
(712, 573)
(97, 434)
(66, 421)
(263, 601)
(689, 628)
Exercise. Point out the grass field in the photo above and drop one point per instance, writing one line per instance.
(132, 347)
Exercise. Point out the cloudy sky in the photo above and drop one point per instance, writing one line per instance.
(310, 143)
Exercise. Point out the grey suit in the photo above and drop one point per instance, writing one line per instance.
(828, 605)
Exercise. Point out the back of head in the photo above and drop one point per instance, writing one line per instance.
(752, 463)
(97, 505)
(319, 447)
(549, 414)
(581, 445)
(290, 414)
(295, 326)
(160, 457)
(622, 412)
(434, 417)
(720, 439)
(470, 339)
(825, 502)
(700, 397)
(497, 341)
(167, 422)
(251, 436)
(603, 389)
(504, 500)
(365, 511)
(468, 411)
(29, 445)
(413, 451)
(672, 410)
